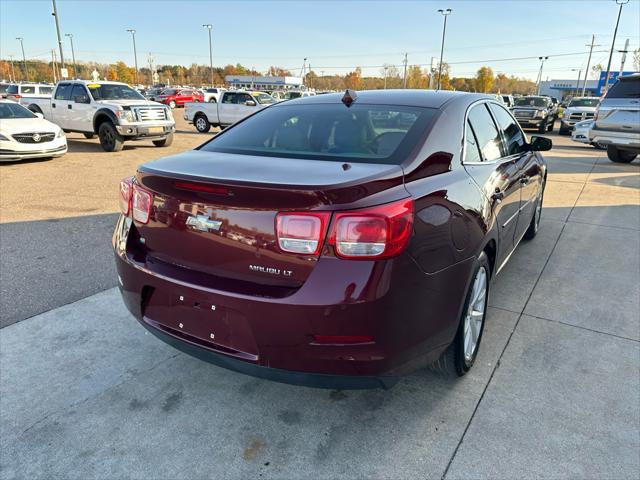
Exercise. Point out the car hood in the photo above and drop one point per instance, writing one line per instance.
(128, 103)
(11, 126)
(579, 110)
(529, 108)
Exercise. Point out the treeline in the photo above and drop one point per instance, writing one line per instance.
(388, 77)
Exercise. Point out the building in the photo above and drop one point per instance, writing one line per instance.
(567, 88)
(268, 83)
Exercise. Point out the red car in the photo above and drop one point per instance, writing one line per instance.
(335, 241)
(177, 97)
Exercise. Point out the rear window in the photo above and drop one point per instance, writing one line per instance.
(3, 87)
(361, 133)
(625, 89)
(12, 89)
(46, 90)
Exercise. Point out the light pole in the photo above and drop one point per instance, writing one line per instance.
(445, 14)
(586, 72)
(73, 54)
(385, 77)
(542, 59)
(135, 52)
(613, 42)
(578, 81)
(208, 26)
(24, 59)
(13, 73)
(55, 15)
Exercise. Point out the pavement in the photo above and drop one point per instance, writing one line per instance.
(85, 392)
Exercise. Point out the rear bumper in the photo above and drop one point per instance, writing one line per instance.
(411, 315)
(625, 140)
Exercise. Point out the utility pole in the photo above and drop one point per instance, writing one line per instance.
(404, 75)
(303, 72)
(55, 15)
(578, 81)
(24, 59)
(385, 77)
(208, 26)
(624, 56)
(73, 54)
(135, 52)
(432, 72)
(613, 42)
(445, 14)
(539, 82)
(54, 65)
(13, 73)
(586, 72)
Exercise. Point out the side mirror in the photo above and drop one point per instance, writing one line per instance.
(38, 114)
(250, 103)
(540, 144)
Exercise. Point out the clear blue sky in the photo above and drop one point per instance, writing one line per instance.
(334, 36)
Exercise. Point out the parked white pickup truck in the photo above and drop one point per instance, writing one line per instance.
(112, 110)
(233, 106)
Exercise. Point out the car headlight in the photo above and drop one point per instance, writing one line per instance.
(60, 133)
(169, 114)
(566, 115)
(539, 114)
(126, 115)
(3, 138)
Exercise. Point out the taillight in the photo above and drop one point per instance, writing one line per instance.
(372, 233)
(301, 232)
(125, 195)
(141, 202)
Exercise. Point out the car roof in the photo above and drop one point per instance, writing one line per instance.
(91, 82)
(408, 97)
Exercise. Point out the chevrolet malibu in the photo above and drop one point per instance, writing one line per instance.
(339, 241)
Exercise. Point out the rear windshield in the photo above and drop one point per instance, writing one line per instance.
(625, 89)
(584, 102)
(361, 133)
(14, 110)
(3, 87)
(531, 102)
(12, 89)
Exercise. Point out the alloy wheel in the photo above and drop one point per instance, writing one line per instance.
(474, 318)
(200, 124)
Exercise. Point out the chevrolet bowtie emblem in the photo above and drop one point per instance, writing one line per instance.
(203, 223)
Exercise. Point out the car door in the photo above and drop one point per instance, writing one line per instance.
(227, 108)
(81, 111)
(60, 106)
(529, 170)
(243, 109)
(496, 173)
(184, 96)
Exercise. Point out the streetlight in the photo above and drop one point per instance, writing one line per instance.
(208, 26)
(445, 14)
(613, 42)
(73, 54)
(542, 59)
(579, 75)
(13, 73)
(24, 59)
(135, 53)
(385, 77)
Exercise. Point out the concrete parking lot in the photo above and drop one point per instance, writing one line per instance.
(85, 392)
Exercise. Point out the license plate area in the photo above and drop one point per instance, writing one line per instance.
(155, 130)
(196, 316)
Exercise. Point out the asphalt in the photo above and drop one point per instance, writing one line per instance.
(85, 392)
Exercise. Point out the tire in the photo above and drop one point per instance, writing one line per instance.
(165, 142)
(456, 359)
(550, 126)
(110, 139)
(563, 130)
(213, 100)
(202, 123)
(543, 126)
(89, 136)
(35, 108)
(620, 156)
(172, 104)
(534, 224)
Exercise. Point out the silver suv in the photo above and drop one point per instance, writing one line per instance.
(617, 120)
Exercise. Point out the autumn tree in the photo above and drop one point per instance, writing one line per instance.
(416, 78)
(352, 79)
(484, 80)
(278, 72)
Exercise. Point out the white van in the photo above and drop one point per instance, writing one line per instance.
(24, 93)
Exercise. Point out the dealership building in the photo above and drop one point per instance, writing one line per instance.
(564, 88)
(268, 83)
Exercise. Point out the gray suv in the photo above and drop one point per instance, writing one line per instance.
(617, 120)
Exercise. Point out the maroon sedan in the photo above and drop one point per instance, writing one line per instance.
(335, 241)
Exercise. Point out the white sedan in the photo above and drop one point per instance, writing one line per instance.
(580, 133)
(25, 135)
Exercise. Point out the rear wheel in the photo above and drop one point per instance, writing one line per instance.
(620, 156)
(165, 142)
(202, 123)
(534, 226)
(110, 139)
(543, 126)
(89, 135)
(172, 104)
(212, 100)
(461, 354)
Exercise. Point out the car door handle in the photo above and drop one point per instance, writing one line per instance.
(524, 180)
(498, 195)
(53, 105)
(70, 107)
